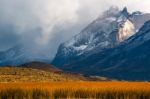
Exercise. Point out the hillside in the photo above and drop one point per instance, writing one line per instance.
(41, 66)
(30, 74)
(15, 74)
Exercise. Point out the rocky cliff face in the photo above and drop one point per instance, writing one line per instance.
(127, 30)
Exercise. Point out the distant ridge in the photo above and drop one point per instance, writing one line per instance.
(41, 66)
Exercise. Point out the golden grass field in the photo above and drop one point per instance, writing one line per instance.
(75, 90)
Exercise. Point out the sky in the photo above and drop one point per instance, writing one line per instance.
(42, 25)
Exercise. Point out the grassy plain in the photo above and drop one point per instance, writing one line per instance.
(75, 89)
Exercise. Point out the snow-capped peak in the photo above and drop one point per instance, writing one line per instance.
(107, 31)
(99, 33)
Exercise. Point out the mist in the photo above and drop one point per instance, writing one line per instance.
(41, 25)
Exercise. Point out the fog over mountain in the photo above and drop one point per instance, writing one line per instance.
(41, 25)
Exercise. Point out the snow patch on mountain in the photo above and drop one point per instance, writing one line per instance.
(81, 47)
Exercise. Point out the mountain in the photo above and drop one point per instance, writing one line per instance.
(129, 61)
(107, 31)
(20, 55)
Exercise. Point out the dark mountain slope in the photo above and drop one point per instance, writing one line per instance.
(130, 60)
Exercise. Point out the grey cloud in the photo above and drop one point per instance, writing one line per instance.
(44, 24)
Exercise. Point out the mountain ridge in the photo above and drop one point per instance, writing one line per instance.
(129, 61)
(107, 31)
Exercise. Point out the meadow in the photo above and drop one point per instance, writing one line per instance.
(19, 74)
(75, 90)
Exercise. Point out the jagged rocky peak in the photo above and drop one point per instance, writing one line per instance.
(116, 12)
(125, 11)
(107, 31)
(113, 21)
(126, 27)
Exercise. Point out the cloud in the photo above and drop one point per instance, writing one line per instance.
(44, 24)
(35, 21)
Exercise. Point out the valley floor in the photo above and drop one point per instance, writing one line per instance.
(75, 89)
